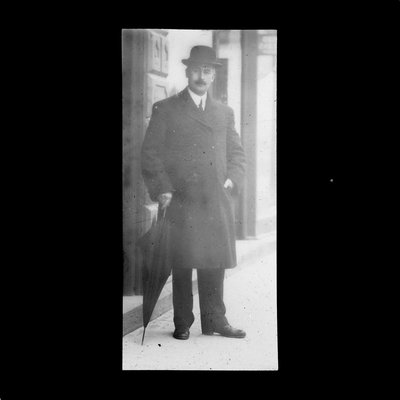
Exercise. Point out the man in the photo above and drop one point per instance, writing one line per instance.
(192, 164)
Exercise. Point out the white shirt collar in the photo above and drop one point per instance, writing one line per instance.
(196, 98)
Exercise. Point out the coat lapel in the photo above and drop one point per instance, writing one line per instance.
(207, 117)
(211, 114)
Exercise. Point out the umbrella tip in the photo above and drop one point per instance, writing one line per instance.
(144, 330)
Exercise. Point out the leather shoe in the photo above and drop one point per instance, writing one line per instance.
(182, 334)
(227, 331)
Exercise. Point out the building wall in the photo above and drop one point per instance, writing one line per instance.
(132, 72)
(258, 122)
(266, 143)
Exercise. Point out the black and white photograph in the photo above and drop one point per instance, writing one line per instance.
(199, 199)
(251, 238)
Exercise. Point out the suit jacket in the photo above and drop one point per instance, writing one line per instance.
(191, 153)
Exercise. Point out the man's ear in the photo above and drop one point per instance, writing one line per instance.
(187, 72)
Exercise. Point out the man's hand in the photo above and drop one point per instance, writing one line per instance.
(164, 200)
(228, 184)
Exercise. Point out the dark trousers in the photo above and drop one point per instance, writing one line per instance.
(210, 285)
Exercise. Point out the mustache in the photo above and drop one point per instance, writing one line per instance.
(199, 82)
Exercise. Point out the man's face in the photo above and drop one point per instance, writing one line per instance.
(200, 77)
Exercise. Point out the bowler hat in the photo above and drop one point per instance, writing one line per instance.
(202, 55)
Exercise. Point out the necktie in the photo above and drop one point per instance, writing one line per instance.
(201, 105)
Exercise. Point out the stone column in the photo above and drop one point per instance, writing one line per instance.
(266, 132)
(258, 127)
(249, 131)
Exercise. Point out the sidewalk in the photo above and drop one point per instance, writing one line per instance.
(247, 251)
(250, 299)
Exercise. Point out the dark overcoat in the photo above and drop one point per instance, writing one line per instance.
(191, 154)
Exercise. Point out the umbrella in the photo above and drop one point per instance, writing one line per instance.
(155, 247)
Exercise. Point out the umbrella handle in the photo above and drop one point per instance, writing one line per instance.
(161, 213)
